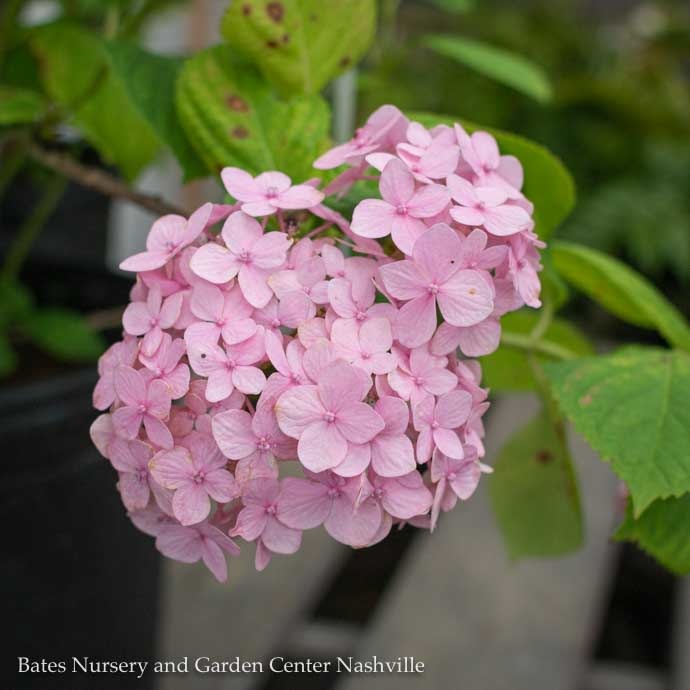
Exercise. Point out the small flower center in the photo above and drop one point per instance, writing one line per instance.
(272, 192)
(379, 493)
(435, 424)
(263, 444)
(143, 408)
(361, 315)
(333, 492)
(199, 477)
(244, 256)
(271, 509)
(418, 381)
(401, 210)
(366, 355)
(329, 417)
(433, 288)
(451, 476)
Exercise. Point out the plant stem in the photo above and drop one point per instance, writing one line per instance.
(101, 181)
(13, 159)
(524, 342)
(543, 323)
(22, 243)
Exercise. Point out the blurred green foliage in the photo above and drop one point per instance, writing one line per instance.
(619, 119)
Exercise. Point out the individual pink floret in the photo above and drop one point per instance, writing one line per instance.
(433, 276)
(455, 478)
(383, 126)
(143, 402)
(169, 235)
(421, 374)
(196, 474)
(329, 500)
(152, 317)
(486, 207)
(265, 194)
(437, 420)
(366, 346)
(400, 211)
(223, 314)
(230, 367)
(327, 417)
(165, 366)
(257, 521)
(256, 441)
(248, 254)
(198, 542)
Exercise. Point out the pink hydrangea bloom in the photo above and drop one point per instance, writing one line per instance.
(310, 343)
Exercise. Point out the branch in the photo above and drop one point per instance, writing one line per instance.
(100, 180)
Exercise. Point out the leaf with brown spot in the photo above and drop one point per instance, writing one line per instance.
(637, 415)
(275, 11)
(534, 492)
(232, 117)
(237, 103)
(323, 38)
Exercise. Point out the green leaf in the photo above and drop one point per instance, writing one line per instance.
(8, 358)
(76, 74)
(15, 303)
(502, 65)
(620, 290)
(534, 493)
(663, 531)
(149, 82)
(548, 184)
(232, 117)
(300, 45)
(19, 106)
(508, 369)
(64, 334)
(632, 407)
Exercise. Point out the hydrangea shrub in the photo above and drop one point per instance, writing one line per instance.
(283, 367)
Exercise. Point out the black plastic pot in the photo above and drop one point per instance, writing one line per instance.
(77, 579)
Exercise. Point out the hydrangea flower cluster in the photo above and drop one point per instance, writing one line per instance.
(287, 369)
